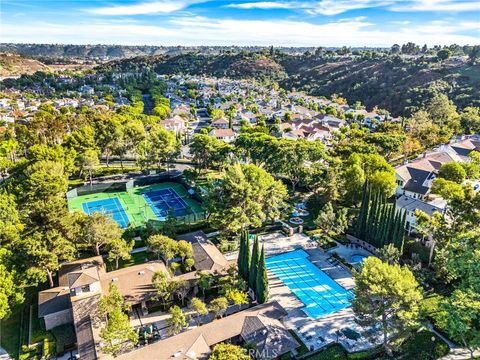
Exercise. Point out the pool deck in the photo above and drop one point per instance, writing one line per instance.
(347, 252)
(308, 329)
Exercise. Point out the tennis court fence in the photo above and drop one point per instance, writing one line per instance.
(124, 185)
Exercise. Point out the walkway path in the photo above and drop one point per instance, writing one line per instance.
(456, 353)
(460, 354)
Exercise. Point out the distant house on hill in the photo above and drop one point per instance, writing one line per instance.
(176, 124)
(220, 123)
(226, 135)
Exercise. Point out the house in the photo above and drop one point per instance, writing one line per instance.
(410, 204)
(86, 89)
(248, 116)
(182, 110)
(260, 325)
(175, 124)
(82, 283)
(464, 146)
(415, 179)
(220, 123)
(205, 254)
(294, 134)
(226, 135)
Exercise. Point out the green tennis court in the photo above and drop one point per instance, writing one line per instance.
(134, 203)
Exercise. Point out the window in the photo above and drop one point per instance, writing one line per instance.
(85, 288)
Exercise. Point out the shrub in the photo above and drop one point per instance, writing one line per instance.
(432, 310)
(423, 345)
(335, 352)
(413, 246)
(49, 348)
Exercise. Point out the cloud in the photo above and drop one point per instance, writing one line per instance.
(152, 7)
(264, 5)
(191, 31)
(335, 7)
(437, 6)
(323, 7)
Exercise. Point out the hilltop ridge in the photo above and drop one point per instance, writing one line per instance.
(16, 65)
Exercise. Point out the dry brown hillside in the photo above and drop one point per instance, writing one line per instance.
(16, 65)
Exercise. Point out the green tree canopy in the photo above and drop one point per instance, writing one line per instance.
(118, 334)
(387, 296)
(453, 171)
(177, 320)
(99, 230)
(225, 351)
(245, 197)
(162, 246)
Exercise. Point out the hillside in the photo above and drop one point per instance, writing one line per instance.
(15, 65)
(248, 65)
(400, 85)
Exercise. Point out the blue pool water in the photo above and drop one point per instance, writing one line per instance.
(110, 207)
(320, 294)
(357, 259)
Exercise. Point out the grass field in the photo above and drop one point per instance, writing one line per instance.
(133, 202)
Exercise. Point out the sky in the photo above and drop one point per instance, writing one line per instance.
(373, 23)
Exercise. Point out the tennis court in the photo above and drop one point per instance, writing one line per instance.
(162, 200)
(320, 294)
(142, 204)
(110, 206)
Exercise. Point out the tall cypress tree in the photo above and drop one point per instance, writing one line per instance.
(372, 218)
(241, 255)
(362, 215)
(246, 257)
(378, 229)
(400, 233)
(262, 280)
(387, 229)
(396, 228)
(252, 274)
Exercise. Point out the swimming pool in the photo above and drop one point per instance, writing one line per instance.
(357, 259)
(320, 294)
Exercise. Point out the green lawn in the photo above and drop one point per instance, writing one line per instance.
(137, 258)
(14, 329)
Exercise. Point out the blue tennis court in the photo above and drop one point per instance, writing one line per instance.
(162, 200)
(110, 206)
(320, 294)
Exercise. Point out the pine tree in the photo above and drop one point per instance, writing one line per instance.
(262, 280)
(252, 274)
